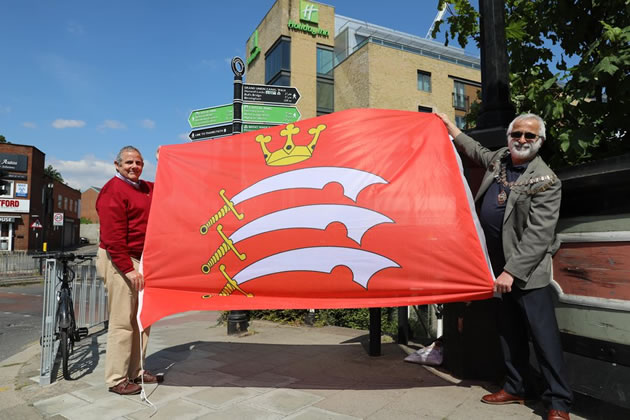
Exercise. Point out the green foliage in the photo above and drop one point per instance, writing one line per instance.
(350, 318)
(86, 221)
(53, 173)
(3, 139)
(584, 105)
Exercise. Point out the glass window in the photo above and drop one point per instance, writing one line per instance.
(65, 203)
(59, 201)
(325, 96)
(278, 59)
(459, 95)
(460, 121)
(424, 81)
(324, 62)
(281, 79)
(425, 109)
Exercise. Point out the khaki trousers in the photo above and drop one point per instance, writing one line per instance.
(123, 342)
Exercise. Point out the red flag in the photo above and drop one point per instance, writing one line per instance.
(360, 208)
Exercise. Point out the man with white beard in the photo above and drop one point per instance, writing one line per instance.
(518, 204)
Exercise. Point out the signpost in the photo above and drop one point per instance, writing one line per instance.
(270, 114)
(211, 132)
(253, 127)
(211, 116)
(283, 95)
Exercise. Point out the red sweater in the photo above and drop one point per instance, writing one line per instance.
(124, 212)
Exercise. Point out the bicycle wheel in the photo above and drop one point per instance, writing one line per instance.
(66, 345)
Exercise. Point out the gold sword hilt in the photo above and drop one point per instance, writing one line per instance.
(222, 212)
(230, 285)
(226, 246)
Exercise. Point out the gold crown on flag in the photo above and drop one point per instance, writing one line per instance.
(290, 153)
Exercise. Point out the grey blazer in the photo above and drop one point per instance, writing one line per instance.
(531, 214)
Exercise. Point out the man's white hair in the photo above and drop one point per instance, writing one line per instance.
(127, 149)
(529, 116)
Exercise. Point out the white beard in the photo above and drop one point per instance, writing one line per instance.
(525, 151)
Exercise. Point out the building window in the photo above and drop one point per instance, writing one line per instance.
(424, 81)
(425, 109)
(460, 100)
(278, 63)
(324, 62)
(59, 201)
(325, 80)
(460, 121)
(65, 203)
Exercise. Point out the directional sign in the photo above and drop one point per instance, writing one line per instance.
(211, 116)
(271, 94)
(211, 132)
(270, 114)
(254, 127)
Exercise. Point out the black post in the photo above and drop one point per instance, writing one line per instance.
(238, 321)
(496, 108)
(403, 325)
(238, 68)
(375, 332)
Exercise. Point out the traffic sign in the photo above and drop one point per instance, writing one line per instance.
(270, 94)
(36, 224)
(270, 114)
(254, 127)
(211, 116)
(57, 219)
(211, 132)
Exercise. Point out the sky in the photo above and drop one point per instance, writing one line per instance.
(81, 79)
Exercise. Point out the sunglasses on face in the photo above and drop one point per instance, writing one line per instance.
(518, 134)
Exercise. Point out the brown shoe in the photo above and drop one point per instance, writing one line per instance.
(126, 388)
(558, 415)
(149, 378)
(502, 397)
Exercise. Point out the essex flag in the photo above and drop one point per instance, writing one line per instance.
(360, 208)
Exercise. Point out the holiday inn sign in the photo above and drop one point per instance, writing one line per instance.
(309, 12)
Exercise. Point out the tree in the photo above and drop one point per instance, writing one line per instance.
(53, 173)
(584, 93)
(3, 139)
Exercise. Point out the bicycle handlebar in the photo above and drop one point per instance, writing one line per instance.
(64, 256)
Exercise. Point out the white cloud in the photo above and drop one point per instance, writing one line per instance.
(59, 123)
(112, 124)
(147, 123)
(29, 124)
(92, 172)
(5, 109)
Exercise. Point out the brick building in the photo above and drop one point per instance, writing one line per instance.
(32, 201)
(88, 204)
(338, 63)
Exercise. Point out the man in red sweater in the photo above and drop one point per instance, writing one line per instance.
(123, 208)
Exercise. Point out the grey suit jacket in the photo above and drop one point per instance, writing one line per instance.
(531, 214)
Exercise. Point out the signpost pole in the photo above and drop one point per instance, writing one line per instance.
(237, 320)
(238, 68)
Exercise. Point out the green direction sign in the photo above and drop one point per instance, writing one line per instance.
(211, 116)
(254, 127)
(270, 114)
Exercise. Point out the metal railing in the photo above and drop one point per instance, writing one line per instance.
(18, 263)
(90, 308)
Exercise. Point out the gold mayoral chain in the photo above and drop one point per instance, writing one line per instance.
(501, 178)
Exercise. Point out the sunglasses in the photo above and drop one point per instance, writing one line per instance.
(518, 134)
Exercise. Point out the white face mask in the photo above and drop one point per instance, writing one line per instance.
(524, 151)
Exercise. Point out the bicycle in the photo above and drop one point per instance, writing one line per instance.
(66, 329)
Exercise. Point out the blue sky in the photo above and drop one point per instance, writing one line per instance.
(81, 79)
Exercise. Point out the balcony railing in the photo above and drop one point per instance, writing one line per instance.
(461, 102)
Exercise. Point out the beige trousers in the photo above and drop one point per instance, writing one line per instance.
(123, 342)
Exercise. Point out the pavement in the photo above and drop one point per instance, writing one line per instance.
(272, 372)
